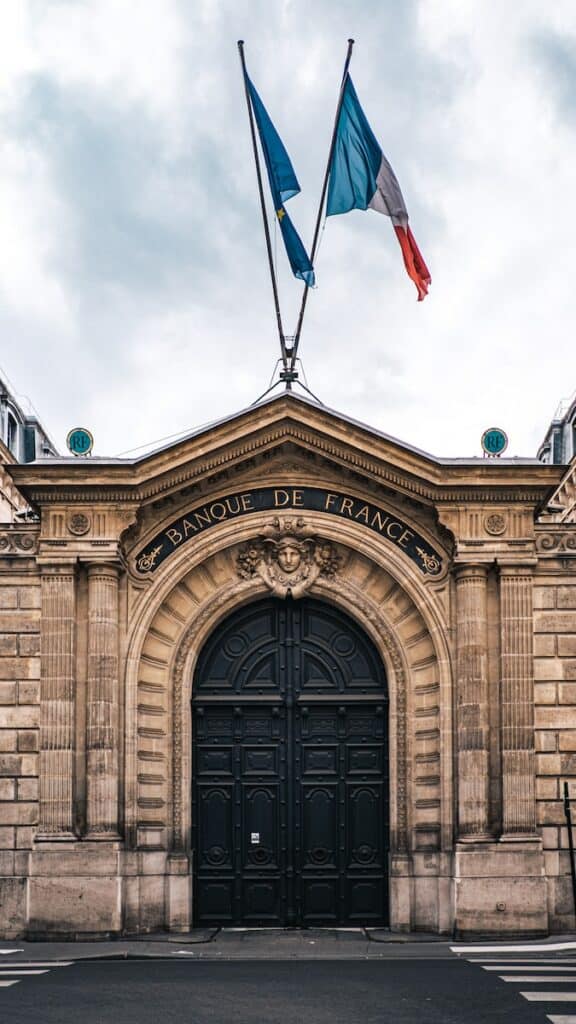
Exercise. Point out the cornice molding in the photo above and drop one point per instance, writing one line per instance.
(51, 490)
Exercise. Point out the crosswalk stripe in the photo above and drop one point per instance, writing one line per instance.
(550, 997)
(526, 961)
(6, 984)
(563, 1018)
(36, 963)
(534, 966)
(548, 947)
(537, 978)
(8, 971)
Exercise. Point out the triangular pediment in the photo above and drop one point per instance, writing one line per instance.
(282, 455)
(285, 428)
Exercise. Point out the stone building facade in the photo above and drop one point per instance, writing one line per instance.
(22, 439)
(559, 444)
(289, 671)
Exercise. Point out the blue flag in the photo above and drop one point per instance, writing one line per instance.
(283, 185)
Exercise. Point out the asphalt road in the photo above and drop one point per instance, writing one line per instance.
(405, 987)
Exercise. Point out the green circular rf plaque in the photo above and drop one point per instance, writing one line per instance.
(494, 441)
(80, 441)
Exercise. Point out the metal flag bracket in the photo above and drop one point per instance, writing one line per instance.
(286, 372)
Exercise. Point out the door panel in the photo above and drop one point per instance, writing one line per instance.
(238, 841)
(290, 795)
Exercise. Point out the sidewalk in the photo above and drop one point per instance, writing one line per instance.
(261, 944)
(226, 944)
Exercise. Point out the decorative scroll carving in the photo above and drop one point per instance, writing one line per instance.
(147, 561)
(556, 543)
(18, 542)
(288, 557)
(430, 563)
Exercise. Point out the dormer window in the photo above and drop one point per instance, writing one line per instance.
(12, 433)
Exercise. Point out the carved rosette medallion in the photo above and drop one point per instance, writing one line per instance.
(288, 557)
(495, 524)
(78, 523)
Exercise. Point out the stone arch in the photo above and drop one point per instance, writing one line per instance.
(394, 608)
(344, 596)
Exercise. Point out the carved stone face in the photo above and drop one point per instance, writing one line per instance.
(289, 557)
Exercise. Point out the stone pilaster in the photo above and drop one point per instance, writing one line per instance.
(102, 703)
(472, 715)
(57, 715)
(517, 703)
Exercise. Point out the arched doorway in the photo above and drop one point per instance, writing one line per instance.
(290, 770)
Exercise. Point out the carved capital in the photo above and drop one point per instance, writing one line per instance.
(61, 570)
(516, 571)
(103, 570)
(468, 570)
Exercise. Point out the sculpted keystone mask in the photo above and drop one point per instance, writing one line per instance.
(288, 557)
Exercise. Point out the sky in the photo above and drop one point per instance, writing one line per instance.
(134, 290)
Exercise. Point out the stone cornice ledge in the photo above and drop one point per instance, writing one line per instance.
(404, 469)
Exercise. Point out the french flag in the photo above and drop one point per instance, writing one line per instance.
(361, 178)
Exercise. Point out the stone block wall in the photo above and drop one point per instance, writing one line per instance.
(555, 736)
(19, 721)
(555, 739)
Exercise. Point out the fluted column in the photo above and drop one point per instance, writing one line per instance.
(517, 703)
(102, 703)
(472, 704)
(57, 712)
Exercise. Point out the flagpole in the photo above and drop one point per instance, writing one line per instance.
(263, 209)
(294, 350)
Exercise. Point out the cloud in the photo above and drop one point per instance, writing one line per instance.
(135, 292)
(557, 57)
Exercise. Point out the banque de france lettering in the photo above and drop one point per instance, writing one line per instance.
(287, 498)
